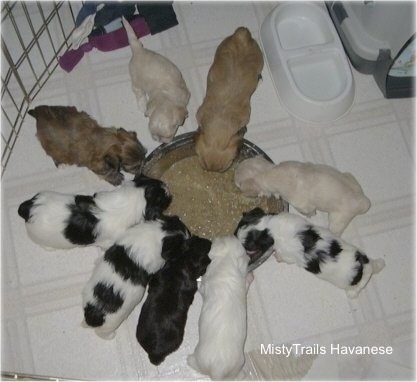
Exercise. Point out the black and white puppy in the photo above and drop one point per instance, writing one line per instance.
(63, 221)
(119, 279)
(171, 292)
(313, 248)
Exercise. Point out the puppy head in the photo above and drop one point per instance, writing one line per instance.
(157, 195)
(217, 150)
(164, 120)
(248, 175)
(231, 248)
(196, 255)
(120, 150)
(254, 235)
(132, 152)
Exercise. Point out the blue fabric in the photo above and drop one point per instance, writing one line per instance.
(89, 8)
(113, 10)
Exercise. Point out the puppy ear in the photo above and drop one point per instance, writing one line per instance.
(150, 108)
(112, 162)
(251, 217)
(124, 132)
(204, 115)
(233, 148)
(180, 114)
(172, 247)
(109, 166)
(158, 199)
(242, 131)
(250, 187)
(196, 255)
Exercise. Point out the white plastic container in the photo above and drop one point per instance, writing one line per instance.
(307, 62)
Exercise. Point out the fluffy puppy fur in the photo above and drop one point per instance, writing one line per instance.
(72, 137)
(119, 278)
(171, 290)
(222, 324)
(307, 187)
(225, 111)
(160, 89)
(313, 248)
(62, 221)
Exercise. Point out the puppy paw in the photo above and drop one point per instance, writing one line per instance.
(192, 362)
(377, 265)
(352, 293)
(277, 257)
(106, 335)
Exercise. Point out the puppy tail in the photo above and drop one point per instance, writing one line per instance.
(243, 34)
(25, 209)
(32, 112)
(156, 359)
(134, 42)
(40, 111)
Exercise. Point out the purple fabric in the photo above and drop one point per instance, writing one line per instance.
(105, 43)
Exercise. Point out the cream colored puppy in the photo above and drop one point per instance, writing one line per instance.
(222, 325)
(307, 187)
(225, 111)
(160, 89)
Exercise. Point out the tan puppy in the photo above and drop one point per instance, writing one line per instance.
(72, 137)
(307, 187)
(225, 111)
(159, 87)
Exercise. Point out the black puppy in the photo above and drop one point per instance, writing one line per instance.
(171, 290)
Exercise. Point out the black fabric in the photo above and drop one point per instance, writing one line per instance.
(159, 16)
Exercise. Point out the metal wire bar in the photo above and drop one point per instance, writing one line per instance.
(10, 376)
(23, 75)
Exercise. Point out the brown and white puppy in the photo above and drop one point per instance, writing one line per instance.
(72, 137)
(160, 89)
(225, 111)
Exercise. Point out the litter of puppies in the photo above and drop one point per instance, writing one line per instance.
(145, 248)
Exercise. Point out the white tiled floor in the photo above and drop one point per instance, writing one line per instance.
(41, 290)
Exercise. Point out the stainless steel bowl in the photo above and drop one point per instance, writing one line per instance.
(165, 155)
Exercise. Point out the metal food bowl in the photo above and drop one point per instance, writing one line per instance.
(165, 155)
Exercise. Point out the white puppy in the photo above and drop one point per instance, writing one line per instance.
(159, 87)
(119, 279)
(307, 187)
(313, 248)
(62, 221)
(222, 324)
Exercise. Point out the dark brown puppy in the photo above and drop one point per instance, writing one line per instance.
(72, 137)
